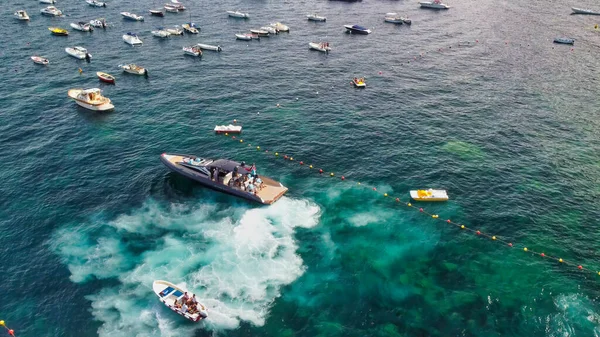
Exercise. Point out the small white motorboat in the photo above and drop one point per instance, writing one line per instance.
(190, 28)
(435, 4)
(95, 3)
(99, 23)
(171, 9)
(270, 29)
(172, 296)
(260, 32)
(161, 32)
(21, 15)
(315, 17)
(175, 30)
(51, 11)
(208, 47)
(394, 18)
(280, 27)
(321, 46)
(157, 12)
(429, 195)
(564, 40)
(50, 2)
(359, 82)
(134, 69)
(243, 37)
(131, 16)
(192, 51)
(79, 53)
(82, 26)
(228, 128)
(356, 29)
(238, 14)
(584, 11)
(91, 99)
(132, 39)
(176, 5)
(40, 60)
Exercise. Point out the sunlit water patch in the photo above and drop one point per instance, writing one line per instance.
(235, 259)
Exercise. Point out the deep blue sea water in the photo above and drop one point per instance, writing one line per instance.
(508, 125)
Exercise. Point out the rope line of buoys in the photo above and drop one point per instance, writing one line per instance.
(433, 216)
(9, 330)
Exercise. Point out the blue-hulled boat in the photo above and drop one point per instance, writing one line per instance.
(356, 29)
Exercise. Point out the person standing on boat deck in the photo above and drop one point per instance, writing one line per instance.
(253, 170)
(185, 298)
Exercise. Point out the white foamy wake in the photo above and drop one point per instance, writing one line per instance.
(236, 260)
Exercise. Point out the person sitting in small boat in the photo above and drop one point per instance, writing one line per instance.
(184, 308)
(177, 304)
(251, 188)
(194, 300)
(185, 297)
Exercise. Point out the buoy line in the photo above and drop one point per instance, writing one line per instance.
(10, 331)
(433, 216)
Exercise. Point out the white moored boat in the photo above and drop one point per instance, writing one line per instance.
(192, 51)
(270, 29)
(208, 47)
(395, 18)
(228, 128)
(564, 40)
(584, 11)
(51, 11)
(79, 53)
(175, 30)
(260, 32)
(131, 16)
(171, 9)
(243, 37)
(82, 26)
(133, 69)
(132, 39)
(50, 2)
(190, 28)
(280, 27)
(435, 4)
(99, 23)
(176, 5)
(238, 14)
(22, 15)
(429, 195)
(95, 3)
(161, 32)
(40, 60)
(321, 46)
(172, 296)
(315, 17)
(91, 99)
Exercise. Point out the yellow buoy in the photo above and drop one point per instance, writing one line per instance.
(241, 140)
(385, 194)
(462, 226)
(291, 158)
(309, 166)
(409, 204)
(258, 147)
(493, 237)
(80, 70)
(358, 183)
(2, 323)
(435, 216)
(525, 249)
(277, 153)
(226, 134)
(331, 174)
(560, 260)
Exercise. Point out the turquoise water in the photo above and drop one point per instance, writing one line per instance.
(508, 125)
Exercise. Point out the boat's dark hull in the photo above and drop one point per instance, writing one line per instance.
(357, 31)
(201, 179)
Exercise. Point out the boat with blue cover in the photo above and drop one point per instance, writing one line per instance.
(227, 176)
(180, 301)
(356, 29)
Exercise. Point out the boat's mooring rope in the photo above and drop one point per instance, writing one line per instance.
(398, 200)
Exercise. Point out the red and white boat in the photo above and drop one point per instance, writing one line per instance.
(106, 78)
(40, 60)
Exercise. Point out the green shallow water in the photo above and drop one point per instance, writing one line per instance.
(90, 217)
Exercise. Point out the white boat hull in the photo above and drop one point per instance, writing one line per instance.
(208, 47)
(243, 37)
(102, 107)
(39, 60)
(174, 31)
(160, 33)
(316, 18)
(50, 2)
(319, 47)
(433, 5)
(80, 55)
(168, 293)
(132, 40)
(133, 17)
(429, 195)
(192, 51)
(135, 71)
(238, 15)
(228, 128)
(103, 104)
(584, 11)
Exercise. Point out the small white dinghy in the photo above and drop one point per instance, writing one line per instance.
(134, 69)
(192, 51)
(270, 29)
(131, 16)
(190, 28)
(435, 4)
(22, 15)
(315, 17)
(243, 37)
(50, 2)
(260, 32)
(208, 47)
(172, 296)
(429, 195)
(79, 53)
(228, 128)
(280, 27)
(99, 23)
(175, 30)
(82, 26)
(321, 46)
(238, 14)
(51, 11)
(95, 3)
(564, 40)
(132, 39)
(40, 60)
(91, 99)
(160, 32)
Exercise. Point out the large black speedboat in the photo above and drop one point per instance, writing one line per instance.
(226, 176)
